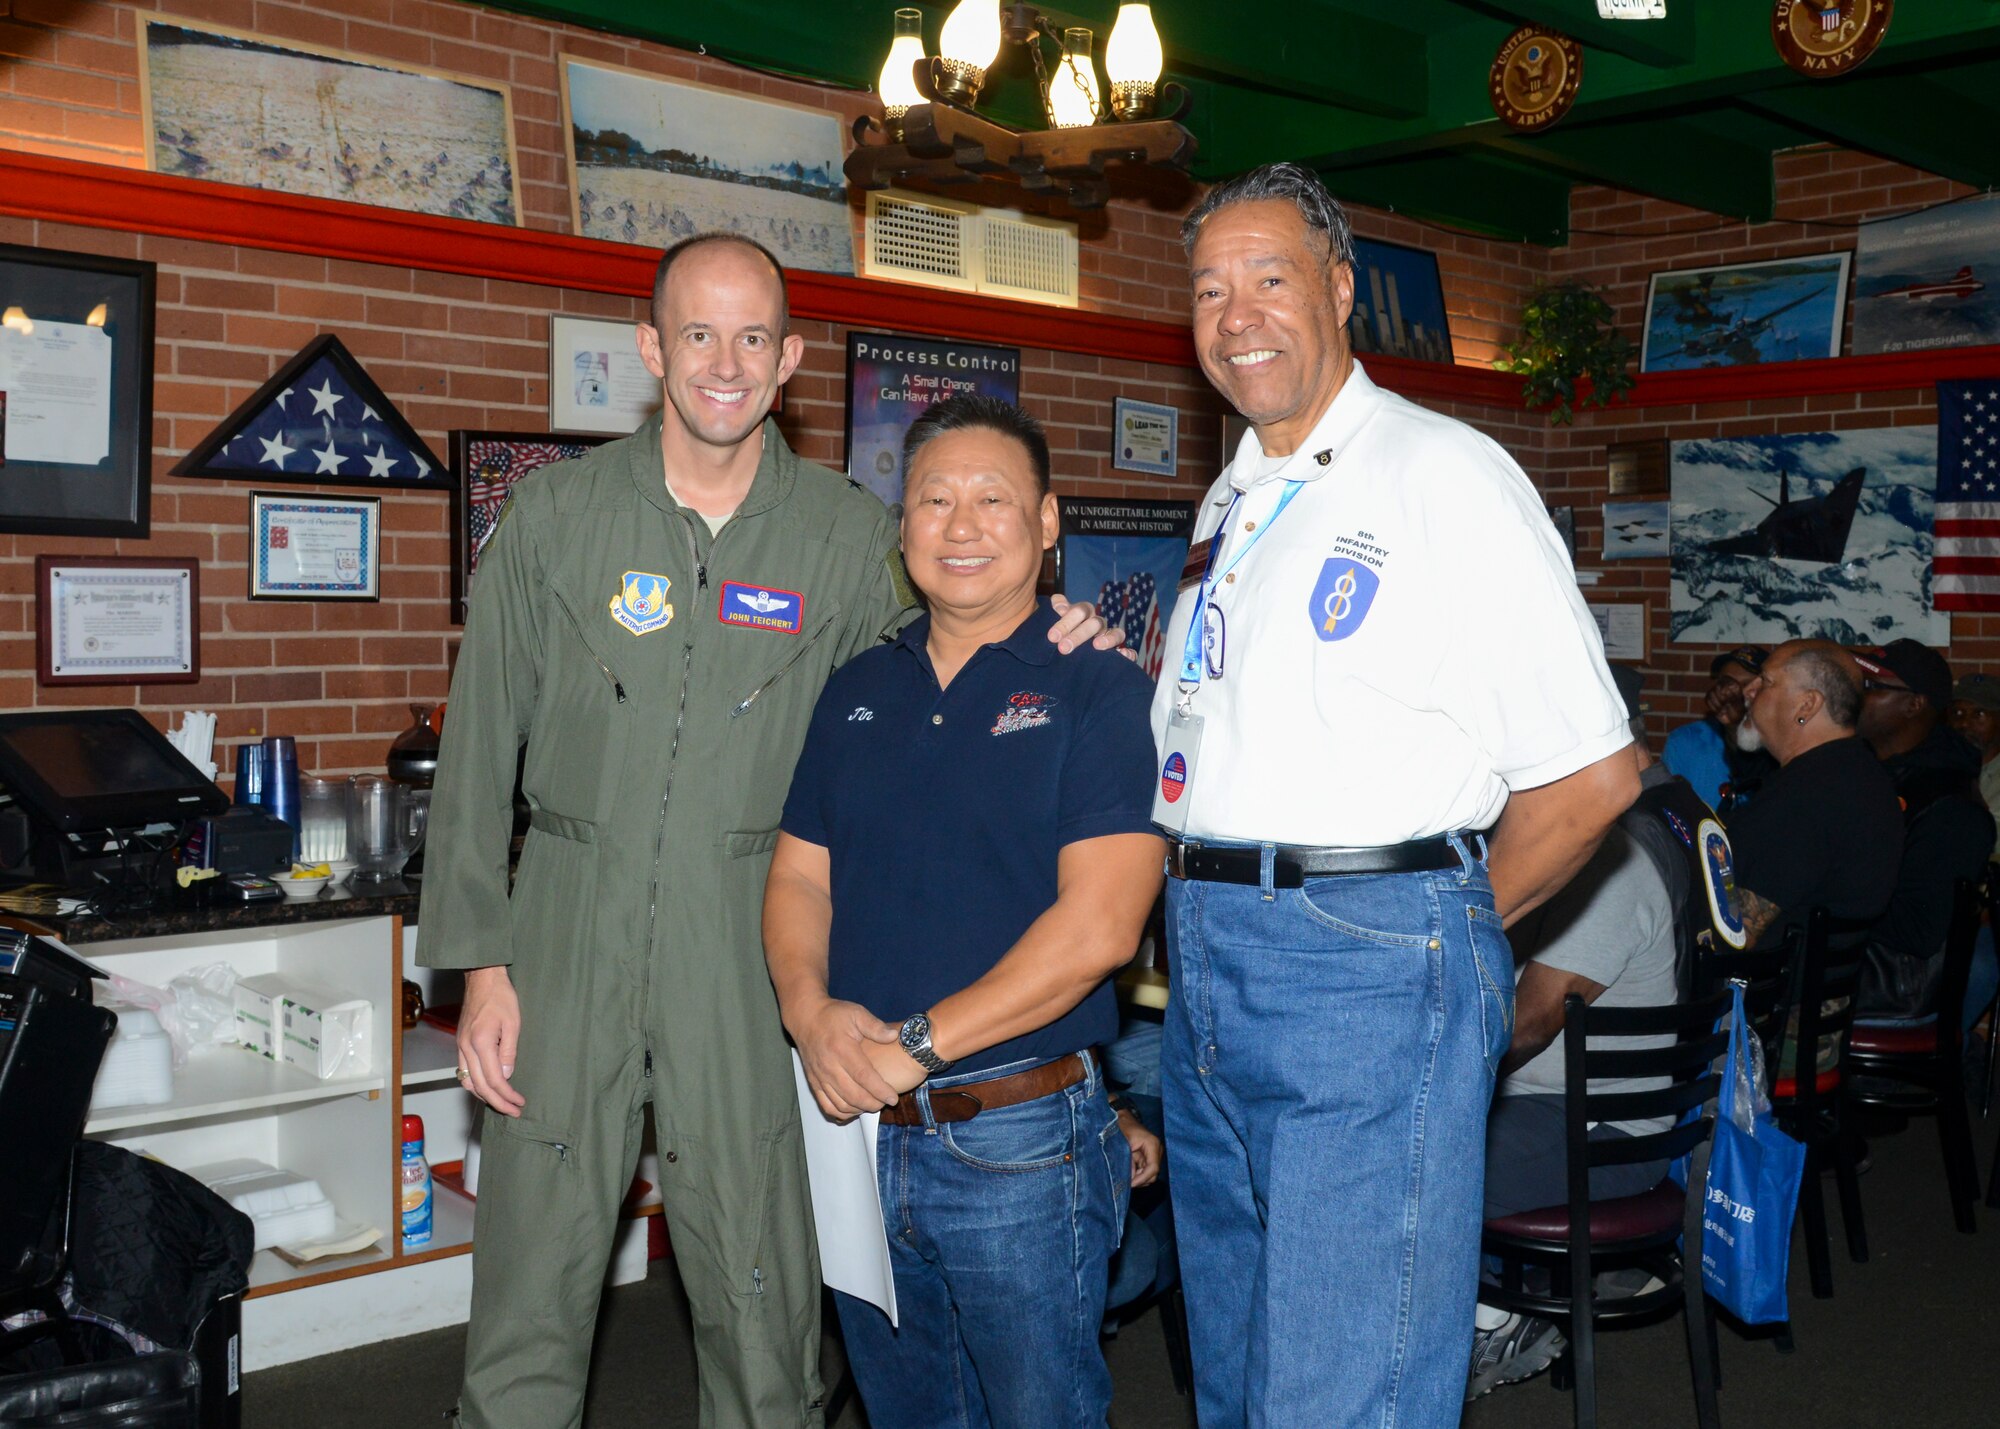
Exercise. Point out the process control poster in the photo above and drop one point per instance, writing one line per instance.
(891, 380)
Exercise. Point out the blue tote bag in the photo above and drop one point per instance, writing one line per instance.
(1752, 1190)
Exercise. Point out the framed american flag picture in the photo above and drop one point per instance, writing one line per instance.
(488, 464)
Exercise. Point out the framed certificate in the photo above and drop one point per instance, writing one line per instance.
(315, 547)
(117, 620)
(597, 382)
(1145, 436)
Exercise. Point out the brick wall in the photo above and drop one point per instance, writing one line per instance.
(467, 352)
(1834, 187)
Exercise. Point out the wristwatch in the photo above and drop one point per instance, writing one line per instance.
(916, 1040)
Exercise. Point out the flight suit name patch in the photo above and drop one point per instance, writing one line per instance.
(758, 607)
(641, 603)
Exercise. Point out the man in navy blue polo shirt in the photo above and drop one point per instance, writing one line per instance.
(967, 855)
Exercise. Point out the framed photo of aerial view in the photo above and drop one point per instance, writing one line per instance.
(488, 466)
(1783, 310)
(76, 390)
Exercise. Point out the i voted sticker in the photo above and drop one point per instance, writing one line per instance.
(1173, 778)
(1342, 598)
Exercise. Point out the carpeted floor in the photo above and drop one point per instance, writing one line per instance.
(1908, 1340)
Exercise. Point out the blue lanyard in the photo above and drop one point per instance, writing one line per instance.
(1191, 654)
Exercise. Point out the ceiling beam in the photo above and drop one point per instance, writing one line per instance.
(1661, 43)
(1472, 192)
(1673, 161)
(1907, 118)
(1333, 56)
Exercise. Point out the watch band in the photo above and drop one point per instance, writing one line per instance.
(916, 1040)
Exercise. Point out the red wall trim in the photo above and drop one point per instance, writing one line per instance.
(104, 196)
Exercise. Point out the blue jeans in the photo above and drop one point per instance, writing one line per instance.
(1001, 1230)
(1329, 1059)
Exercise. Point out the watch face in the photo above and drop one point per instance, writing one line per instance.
(915, 1031)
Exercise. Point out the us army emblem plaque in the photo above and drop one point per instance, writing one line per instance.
(1824, 38)
(1535, 77)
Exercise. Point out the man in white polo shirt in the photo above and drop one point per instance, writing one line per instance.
(1379, 652)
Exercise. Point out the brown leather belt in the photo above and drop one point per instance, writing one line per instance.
(965, 1102)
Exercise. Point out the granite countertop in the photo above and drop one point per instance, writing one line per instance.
(189, 911)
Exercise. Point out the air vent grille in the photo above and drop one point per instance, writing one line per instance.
(941, 243)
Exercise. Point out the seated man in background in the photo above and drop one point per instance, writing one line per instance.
(1947, 832)
(967, 855)
(1624, 933)
(1825, 830)
(1703, 752)
(1975, 713)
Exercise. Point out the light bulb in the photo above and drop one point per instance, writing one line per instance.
(898, 84)
(1074, 99)
(971, 35)
(1133, 60)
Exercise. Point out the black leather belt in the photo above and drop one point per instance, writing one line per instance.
(1293, 866)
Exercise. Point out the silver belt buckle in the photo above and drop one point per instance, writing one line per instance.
(1177, 860)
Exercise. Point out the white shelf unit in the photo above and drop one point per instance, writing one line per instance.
(344, 1133)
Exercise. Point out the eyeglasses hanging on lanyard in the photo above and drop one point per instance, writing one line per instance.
(1201, 654)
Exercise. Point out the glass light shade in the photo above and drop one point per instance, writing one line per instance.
(971, 35)
(1132, 55)
(898, 84)
(1074, 98)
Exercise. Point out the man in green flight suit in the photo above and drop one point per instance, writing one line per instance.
(654, 623)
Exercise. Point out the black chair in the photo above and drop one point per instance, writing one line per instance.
(1808, 1103)
(1926, 1060)
(1579, 1237)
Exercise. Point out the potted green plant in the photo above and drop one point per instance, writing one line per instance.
(1567, 341)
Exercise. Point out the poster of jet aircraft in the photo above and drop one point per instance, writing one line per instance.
(1929, 279)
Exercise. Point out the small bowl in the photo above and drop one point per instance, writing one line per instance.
(341, 867)
(302, 887)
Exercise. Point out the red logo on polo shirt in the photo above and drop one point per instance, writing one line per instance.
(1025, 710)
(1173, 778)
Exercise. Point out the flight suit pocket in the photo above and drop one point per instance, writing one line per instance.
(747, 843)
(555, 1140)
(576, 757)
(768, 716)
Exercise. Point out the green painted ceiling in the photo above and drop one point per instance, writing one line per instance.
(1389, 100)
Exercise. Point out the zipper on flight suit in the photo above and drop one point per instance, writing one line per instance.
(617, 688)
(798, 653)
(666, 794)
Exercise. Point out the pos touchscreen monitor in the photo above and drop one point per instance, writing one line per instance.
(84, 770)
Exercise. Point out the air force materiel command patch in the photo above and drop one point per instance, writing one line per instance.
(1718, 866)
(1341, 600)
(641, 604)
(758, 607)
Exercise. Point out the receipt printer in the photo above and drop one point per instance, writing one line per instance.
(52, 1038)
(240, 839)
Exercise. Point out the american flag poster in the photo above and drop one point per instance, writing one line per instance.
(488, 465)
(1125, 557)
(1966, 566)
(322, 420)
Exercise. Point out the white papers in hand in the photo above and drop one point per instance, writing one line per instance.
(847, 1202)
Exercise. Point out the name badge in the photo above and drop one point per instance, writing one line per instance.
(758, 607)
(1178, 748)
(1196, 564)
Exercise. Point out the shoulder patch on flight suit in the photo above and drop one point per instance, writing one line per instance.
(899, 579)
